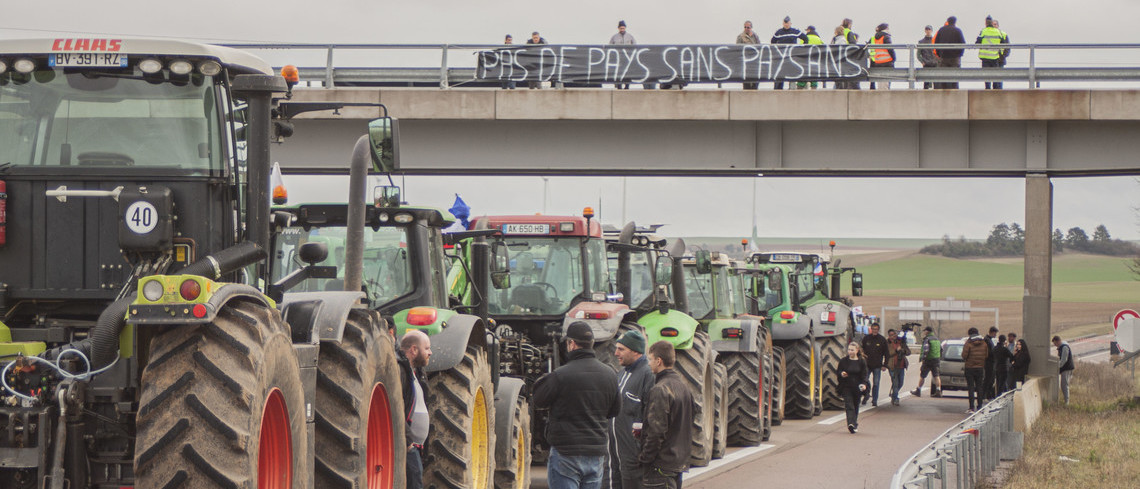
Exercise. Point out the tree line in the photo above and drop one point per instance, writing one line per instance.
(1009, 240)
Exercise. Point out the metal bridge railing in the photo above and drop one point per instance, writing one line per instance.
(963, 455)
(404, 64)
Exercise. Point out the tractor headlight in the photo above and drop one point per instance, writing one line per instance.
(152, 290)
(209, 67)
(181, 67)
(150, 66)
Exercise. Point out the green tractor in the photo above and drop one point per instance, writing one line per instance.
(651, 281)
(720, 297)
(144, 340)
(812, 325)
(479, 434)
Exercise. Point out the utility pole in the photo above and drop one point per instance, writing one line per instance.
(623, 188)
(753, 216)
(545, 188)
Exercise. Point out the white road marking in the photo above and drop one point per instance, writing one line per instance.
(843, 417)
(736, 455)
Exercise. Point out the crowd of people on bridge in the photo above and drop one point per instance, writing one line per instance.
(989, 38)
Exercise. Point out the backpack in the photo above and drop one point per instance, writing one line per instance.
(935, 350)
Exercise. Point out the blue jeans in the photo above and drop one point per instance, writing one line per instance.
(897, 376)
(415, 469)
(974, 377)
(873, 392)
(574, 471)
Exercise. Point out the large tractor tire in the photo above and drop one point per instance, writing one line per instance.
(604, 350)
(766, 380)
(460, 450)
(832, 349)
(720, 414)
(747, 396)
(800, 374)
(512, 466)
(360, 409)
(695, 366)
(221, 405)
(779, 379)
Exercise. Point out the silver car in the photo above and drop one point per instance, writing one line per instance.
(953, 373)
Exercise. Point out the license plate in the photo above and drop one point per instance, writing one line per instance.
(526, 229)
(99, 60)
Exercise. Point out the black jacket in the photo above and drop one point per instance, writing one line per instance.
(856, 374)
(949, 34)
(789, 36)
(667, 437)
(990, 342)
(875, 348)
(581, 395)
(407, 376)
(1002, 356)
(926, 56)
(634, 383)
(1020, 365)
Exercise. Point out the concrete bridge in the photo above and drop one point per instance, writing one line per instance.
(1032, 134)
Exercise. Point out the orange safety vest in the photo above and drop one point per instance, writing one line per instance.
(880, 56)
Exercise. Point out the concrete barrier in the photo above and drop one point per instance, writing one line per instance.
(1028, 402)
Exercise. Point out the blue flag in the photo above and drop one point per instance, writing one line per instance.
(461, 211)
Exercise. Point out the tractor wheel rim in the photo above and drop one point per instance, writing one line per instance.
(275, 450)
(380, 451)
(480, 461)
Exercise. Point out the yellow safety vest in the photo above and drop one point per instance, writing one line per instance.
(814, 39)
(847, 31)
(880, 56)
(990, 36)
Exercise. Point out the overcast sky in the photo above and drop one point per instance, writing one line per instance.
(859, 207)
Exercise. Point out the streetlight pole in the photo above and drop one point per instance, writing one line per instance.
(545, 187)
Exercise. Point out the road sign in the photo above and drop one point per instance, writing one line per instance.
(1128, 334)
(1122, 315)
(912, 311)
(950, 310)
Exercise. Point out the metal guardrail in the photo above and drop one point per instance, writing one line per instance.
(963, 455)
(446, 76)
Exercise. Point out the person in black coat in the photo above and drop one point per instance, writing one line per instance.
(949, 58)
(875, 352)
(1001, 357)
(852, 371)
(1019, 368)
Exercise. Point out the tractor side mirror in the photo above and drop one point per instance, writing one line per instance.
(663, 270)
(500, 266)
(386, 196)
(703, 260)
(313, 252)
(856, 284)
(383, 136)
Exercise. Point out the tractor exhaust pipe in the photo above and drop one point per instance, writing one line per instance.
(227, 261)
(354, 238)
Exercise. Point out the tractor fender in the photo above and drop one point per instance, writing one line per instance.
(157, 314)
(510, 389)
(745, 342)
(450, 344)
(821, 312)
(318, 316)
(655, 323)
(603, 318)
(793, 329)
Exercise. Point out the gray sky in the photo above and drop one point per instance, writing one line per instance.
(862, 207)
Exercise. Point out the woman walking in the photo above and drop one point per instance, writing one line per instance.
(897, 351)
(853, 382)
(1020, 365)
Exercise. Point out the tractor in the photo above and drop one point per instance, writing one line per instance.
(143, 339)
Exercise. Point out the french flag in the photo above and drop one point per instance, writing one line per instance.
(818, 270)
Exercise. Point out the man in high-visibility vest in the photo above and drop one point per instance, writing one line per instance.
(812, 38)
(990, 55)
(852, 38)
(882, 58)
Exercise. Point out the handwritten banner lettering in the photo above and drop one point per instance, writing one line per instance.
(669, 63)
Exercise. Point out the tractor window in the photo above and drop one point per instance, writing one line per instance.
(58, 117)
(736, 291)
(387, 272)
(771, 290)
(546, 275)
(805, 282)
(699, 288)
(641, 278)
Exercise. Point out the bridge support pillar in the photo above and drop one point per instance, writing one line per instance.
(1039, 276)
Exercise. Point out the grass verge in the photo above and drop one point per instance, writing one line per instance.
(1091, 443)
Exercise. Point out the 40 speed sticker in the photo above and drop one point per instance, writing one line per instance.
(141, 217)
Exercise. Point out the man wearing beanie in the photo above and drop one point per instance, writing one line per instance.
(634, 382)
(582, 396)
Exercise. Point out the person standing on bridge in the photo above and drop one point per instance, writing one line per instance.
(1001, 358)
(509, 84)
(975, 354)
(949, 58)
(413, 356)
(624, 38)
(897, 351)
(931, 358)
(634, 382)
(787, 35)
(882, 58)
(812, 38)
(582, 396)
(666, 438)
(535, 38)
(1019, 368)
(1065, 354)
(875, 349)
(926, 56)
(748, 37)
(853, 382)
(991, 57)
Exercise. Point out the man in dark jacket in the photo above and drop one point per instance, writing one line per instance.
(634, 382)
(949, 58)
(413, 356)
(582, 396)
(875, 348)
(926, 56)
(788, 35)
(975, 354)
(988, 392)
(666, 438)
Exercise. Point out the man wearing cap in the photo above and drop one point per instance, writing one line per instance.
(622, 37)
(926, 56)
(931, 358)
(582, 396)
(992, 57)
(634, 382)
(787, 35)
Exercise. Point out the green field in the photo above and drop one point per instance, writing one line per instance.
(1076, 278)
